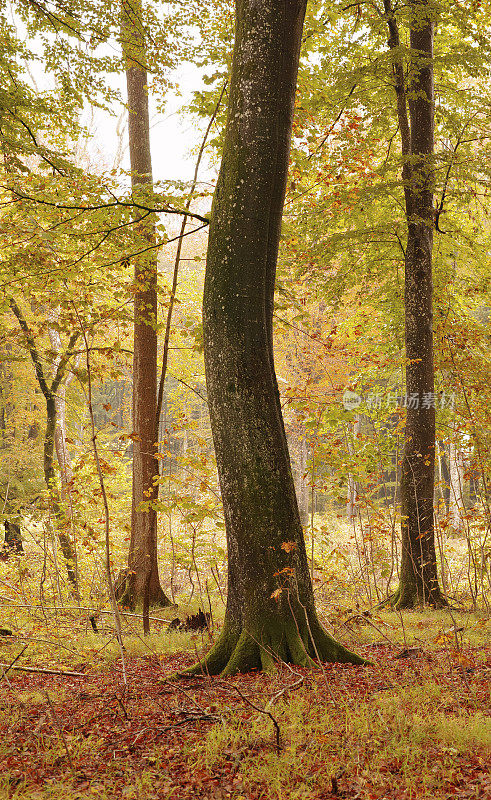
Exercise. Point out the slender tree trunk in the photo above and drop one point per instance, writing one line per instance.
(60, 404)
(142, 583)
(445, 472)
(6, 386)
(456, 504)
(301, 480)
(50, 393)
(59, 517)
(270, 612)
(352, 499)
(418, 574)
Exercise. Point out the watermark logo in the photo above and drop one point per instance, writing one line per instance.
(351, 400)
(375, 400)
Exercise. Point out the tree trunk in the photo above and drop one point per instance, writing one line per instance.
(352, 499)
(143, 583)
(270, 614)
(50, 393)
(456, 508)
(13, 539)
(6, 386)
(418, 574)
(62, 456)
(302, 482)
(50, 479)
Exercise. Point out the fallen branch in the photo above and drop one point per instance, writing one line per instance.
(64, 609)
(43, 670)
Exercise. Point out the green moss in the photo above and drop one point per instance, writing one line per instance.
(273, 642)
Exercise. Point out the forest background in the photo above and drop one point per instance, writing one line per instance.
(74, 230)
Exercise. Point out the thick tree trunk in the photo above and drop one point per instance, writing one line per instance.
(418, 577)
(142, 583)
(418, 574)
(270, 613)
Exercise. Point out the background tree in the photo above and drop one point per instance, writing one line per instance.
(142, 577)
(416, 112)
(49, 391)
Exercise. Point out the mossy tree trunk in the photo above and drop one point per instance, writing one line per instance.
(270, 613)
(142, 584)
(418, 574)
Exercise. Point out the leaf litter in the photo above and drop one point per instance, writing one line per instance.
(406, 726)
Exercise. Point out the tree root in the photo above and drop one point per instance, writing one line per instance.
(125, 593)
(399, 601)
(238, 650)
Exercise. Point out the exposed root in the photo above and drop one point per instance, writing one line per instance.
(124, 589)
(407, 600)
(240, 651)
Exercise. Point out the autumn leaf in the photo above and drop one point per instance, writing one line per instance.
(288, 547)
(276, 594)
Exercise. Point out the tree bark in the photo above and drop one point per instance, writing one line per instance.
(50, 479)
(270, 612)
(142, 584)
(418, 574)
(64, 461)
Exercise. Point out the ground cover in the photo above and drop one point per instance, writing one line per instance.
(413, 724)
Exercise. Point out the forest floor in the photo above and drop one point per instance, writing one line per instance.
(413, 724)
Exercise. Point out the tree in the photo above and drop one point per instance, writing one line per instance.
(415, 110)
(142, 585)
(270, 612)
(50, 394)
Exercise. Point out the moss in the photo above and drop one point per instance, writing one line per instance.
(241, 651)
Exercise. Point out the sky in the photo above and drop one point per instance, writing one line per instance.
(175, 135)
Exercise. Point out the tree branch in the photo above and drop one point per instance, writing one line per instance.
(99, 207)
(46, 390)
(394, 44)
(60, 371)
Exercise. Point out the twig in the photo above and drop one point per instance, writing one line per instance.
(264, 711)
(6, 668)
(165, 355)
(7, 601)
(60, 730)
(112, 596)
